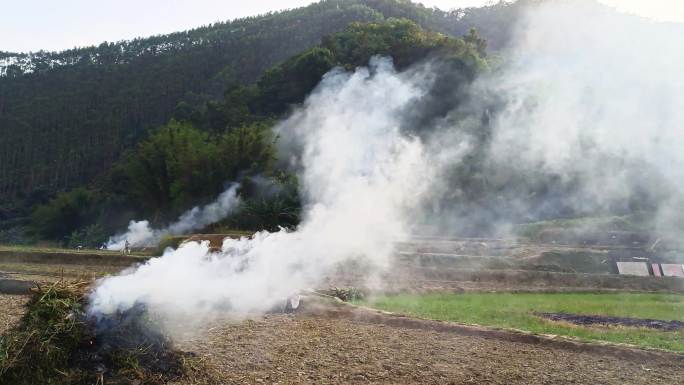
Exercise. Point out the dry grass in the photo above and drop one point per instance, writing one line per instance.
(301, 349)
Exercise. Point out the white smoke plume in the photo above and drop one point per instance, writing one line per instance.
(360, 176)
(583, 117)
(588, 98)
(597, 97)
(140, 233)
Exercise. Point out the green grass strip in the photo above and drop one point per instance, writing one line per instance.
(516, 310)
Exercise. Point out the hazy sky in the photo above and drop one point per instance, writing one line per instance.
(31, 25)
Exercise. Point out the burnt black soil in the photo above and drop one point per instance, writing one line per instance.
(588, 320)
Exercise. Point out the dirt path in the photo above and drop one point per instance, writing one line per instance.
(310, 349)
(11, 310)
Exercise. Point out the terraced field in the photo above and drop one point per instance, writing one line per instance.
(351, 345)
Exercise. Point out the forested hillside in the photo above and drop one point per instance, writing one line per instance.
(66, 117)
(92, 138)
(189, 159)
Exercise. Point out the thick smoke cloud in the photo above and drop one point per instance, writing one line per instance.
(360, 177)
(584, 117)
(596, 99)
(141, 234)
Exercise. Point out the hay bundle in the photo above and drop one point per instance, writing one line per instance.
(56, 343)
(346, 294)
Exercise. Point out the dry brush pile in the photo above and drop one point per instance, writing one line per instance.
(56, 342)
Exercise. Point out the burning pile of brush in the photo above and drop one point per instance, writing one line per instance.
(58, 343)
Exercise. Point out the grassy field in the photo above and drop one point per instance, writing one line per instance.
(58, 270)
(28, 248)
(636, 222)
(516, 310)
(39, 249)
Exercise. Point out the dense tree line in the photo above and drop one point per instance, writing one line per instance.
(189, 160)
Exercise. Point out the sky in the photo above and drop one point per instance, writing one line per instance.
(56, 25)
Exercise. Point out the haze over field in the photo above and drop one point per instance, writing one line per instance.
(582, 108)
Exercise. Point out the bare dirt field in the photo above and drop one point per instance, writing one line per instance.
(320, 349)
(12, 309)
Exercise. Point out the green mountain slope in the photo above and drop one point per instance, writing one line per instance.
(66, 117)
(188, 161)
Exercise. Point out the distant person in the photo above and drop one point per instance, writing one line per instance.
(127, 247)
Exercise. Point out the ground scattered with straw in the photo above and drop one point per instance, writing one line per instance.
(51, 347)
(301, 349)
(13, 308)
